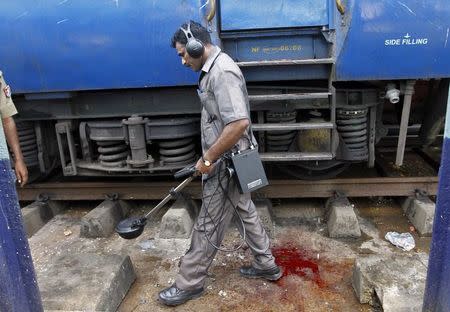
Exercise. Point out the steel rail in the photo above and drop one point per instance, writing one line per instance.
(352, 187)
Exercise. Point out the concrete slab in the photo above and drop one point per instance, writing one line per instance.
(38, 213)
(101, 221)
(420, 212)
(56, 207)
(178, 221)
(35, 216)
(395, 281)
(341, 218)
(86, 282)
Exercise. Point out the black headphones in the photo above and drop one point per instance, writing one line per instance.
(194, 47)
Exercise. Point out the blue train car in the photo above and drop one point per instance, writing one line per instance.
(100, 78)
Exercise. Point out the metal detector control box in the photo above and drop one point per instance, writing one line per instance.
(248, 170)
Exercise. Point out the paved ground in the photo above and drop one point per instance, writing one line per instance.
(318, 270)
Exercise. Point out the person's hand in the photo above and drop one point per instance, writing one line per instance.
(201, 168)
(21, 172)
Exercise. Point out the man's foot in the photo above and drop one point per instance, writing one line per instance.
(173, 296)
(272, 274)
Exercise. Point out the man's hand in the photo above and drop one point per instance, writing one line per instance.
(21, 172)
(201, 168)
(9, 126)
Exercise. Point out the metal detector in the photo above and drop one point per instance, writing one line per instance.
(133, 227)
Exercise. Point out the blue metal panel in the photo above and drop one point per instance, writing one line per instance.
(260, 14)
(18, 286)
(280, 73)
(389, 39)
(438, 278)
(63, 45)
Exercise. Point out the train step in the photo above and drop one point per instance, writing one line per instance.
(287, 62)
(292, 126)
(295, 156)
(289, 96)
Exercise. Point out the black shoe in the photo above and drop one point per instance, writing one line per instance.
(173, 296)
(272, 274)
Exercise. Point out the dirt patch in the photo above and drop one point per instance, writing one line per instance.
(386, 215)
(317, 277)
(413, 166)
(317, 269)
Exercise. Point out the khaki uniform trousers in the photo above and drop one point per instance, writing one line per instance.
(215, 216)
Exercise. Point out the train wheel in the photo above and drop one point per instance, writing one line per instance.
(314, 170)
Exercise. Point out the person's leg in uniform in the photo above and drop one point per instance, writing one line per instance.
(263, 264)
(214, 217)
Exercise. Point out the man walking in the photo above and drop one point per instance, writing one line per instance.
(225, 120)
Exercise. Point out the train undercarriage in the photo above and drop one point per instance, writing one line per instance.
(299, 132)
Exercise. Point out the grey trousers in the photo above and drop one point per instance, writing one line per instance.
(213, 220)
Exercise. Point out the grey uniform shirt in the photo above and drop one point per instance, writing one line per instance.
(224, 98)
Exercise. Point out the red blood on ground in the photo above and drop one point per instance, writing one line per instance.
(295, 262)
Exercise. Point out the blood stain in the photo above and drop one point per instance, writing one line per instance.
(295, 262)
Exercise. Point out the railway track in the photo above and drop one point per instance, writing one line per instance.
(418, 173)
(352, 187)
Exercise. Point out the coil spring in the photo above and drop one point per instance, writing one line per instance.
(179, 151)
(352, 126)
(28, 143)
(280, 141)
(112, 153)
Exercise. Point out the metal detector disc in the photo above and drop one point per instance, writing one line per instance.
(131, 228)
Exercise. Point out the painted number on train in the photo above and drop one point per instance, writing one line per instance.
(281, 48)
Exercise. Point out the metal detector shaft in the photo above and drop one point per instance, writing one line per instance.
(181, 186)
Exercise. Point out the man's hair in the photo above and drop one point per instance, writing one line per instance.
(197, 30)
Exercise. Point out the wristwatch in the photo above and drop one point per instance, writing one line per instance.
(207, 163)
